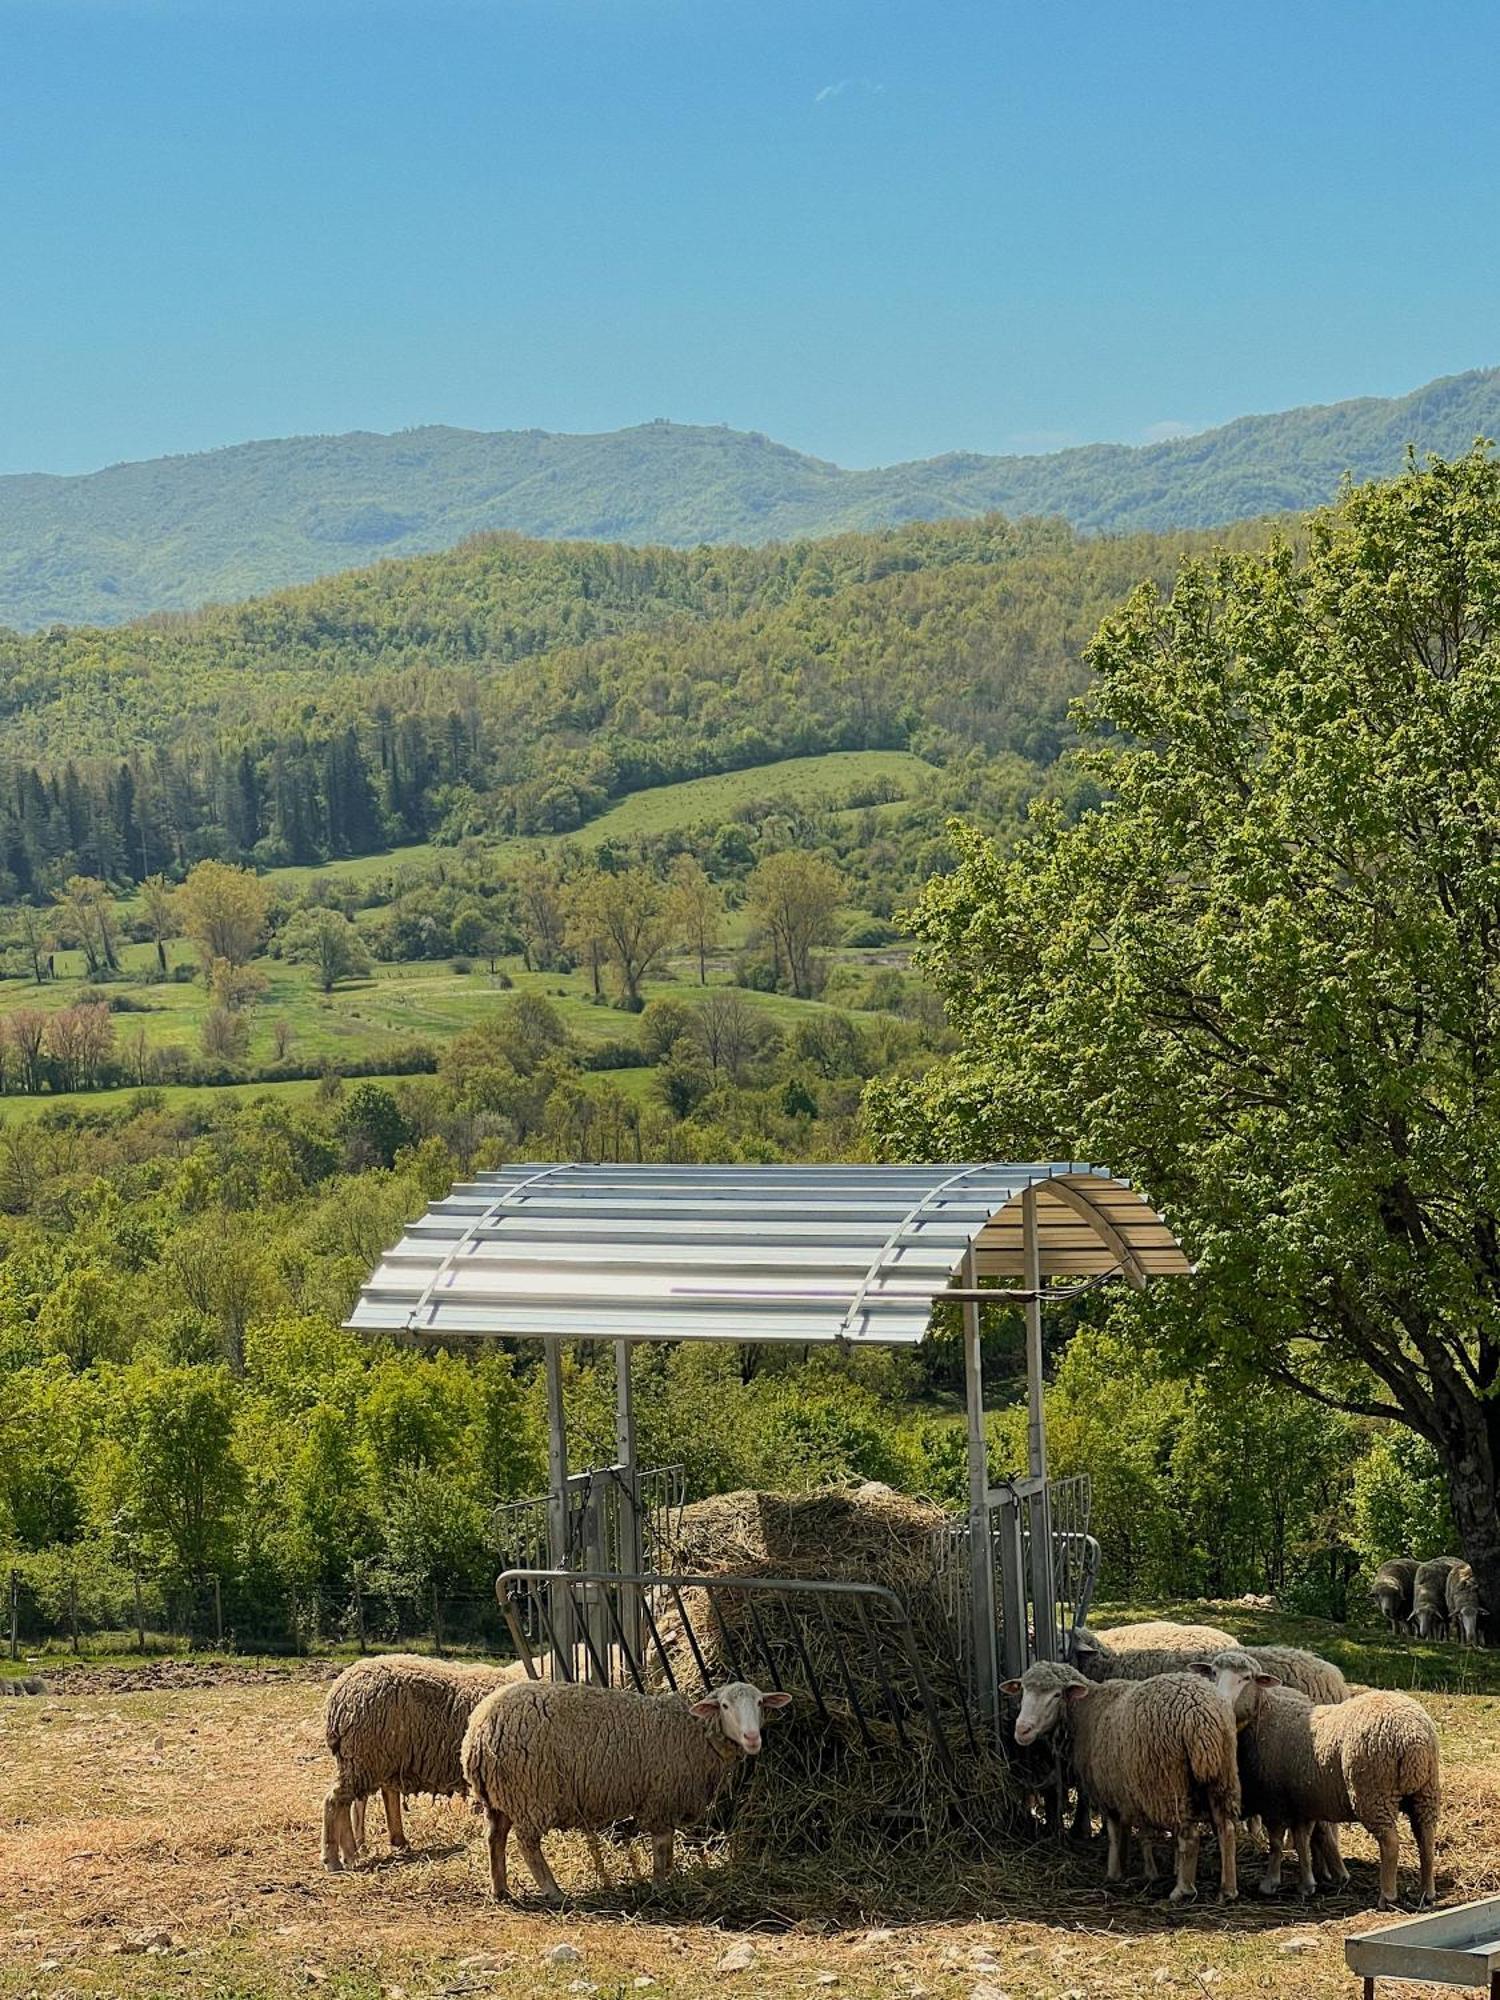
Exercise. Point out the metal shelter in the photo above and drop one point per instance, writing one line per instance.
(851, 1254)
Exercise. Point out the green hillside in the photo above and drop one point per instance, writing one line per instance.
(174, 533)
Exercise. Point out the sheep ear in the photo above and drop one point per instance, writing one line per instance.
(1072, 1693)
(1011, 1687)
(776, 1701)
(705, 1710)
(1204, 1667)
(1268, 1680)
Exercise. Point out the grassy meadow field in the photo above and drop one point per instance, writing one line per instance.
(159, 1835)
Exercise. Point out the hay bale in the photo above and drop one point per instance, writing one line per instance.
(864, 1776)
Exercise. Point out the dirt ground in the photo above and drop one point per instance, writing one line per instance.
(159, 1836)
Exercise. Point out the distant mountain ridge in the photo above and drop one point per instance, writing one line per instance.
(170, 534)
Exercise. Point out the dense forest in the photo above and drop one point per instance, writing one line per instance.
(519, 687)
(176, 533)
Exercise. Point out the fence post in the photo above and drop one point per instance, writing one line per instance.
(73, 1609)
(437, 1624)
(218, 1613)
(359, 1606)
(140, 1615)
(15, 1612)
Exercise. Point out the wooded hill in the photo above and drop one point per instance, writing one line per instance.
(176, 533)
(519, 687)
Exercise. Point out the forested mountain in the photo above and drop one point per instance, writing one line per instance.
(518, 687)
(175, 533)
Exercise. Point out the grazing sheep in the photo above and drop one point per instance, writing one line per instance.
(26, 1684)
(1429, 1609)
(543, 1755)
(1137, 1652)
(1154, 1754)
(1464, 1607)
(395, 1725)
(1392, 1590)
(1369, 1759)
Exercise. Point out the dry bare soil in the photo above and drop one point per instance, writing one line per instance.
(158, 1836)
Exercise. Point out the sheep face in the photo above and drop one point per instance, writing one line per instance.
(737, 1708)
(1046, 1690)
(1238, 1679)
(1468, 1623)
(1428, 1622)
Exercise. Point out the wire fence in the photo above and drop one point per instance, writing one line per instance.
(230, 1615)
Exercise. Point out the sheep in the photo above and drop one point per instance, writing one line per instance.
(546, 1754)
(1137, 1652)
(1392, 1590)
(1429, 1612)
(24, 1684)
(1155, 1754)
(1369, 1759)
(1464, 1607)
(395, 1725)
(1320, 1680)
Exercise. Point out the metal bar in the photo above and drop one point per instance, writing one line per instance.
(844, 1676)
(629, 1487)
(598, 1662)
(891, 1241)
(562, 1656)
(986, 1678)
(1043, 1587)
(732, 1651)
(1012, 1589)
(504, 1201)
(761, 1641)
(888, 1693)
(692, 1637)
(1079, 1202)
(624, 1645)
(557, 1487)
(661, 1651)
(794, 1626)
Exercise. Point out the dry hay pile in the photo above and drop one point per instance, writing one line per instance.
(863, 1782)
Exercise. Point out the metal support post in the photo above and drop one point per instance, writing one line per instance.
(981, 1559)
(557, 1493)
(630, 1479)
(1043, 1584)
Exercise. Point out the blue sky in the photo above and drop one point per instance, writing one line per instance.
(873, 230)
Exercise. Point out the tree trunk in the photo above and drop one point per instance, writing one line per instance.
(1469, 1454)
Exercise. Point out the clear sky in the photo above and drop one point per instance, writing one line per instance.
(875, 229)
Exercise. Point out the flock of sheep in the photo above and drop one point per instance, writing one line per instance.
(1433, 1599)
(1169, 1727)
(1166, 1728)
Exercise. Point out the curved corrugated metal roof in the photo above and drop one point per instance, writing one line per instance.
(745, 1253)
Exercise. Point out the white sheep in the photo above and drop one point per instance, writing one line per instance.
(1137, 1652)
(1392, 1588)
(543, 1755)
(1306, 1673)
(1464, 1607)
(1369, 1759)
(395, 1725)
(1155, 1754)
(1429, 1609)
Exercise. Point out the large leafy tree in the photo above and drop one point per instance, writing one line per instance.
(1264, 976)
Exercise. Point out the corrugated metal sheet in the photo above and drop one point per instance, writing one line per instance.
(744, 1253)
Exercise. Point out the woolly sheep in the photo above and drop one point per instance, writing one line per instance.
(1369, 1759)
(25, 1684)
(1156, 1754)
(1137, 1652)
(395, 1725)
(544, 1755)
(1464, 1607)
(1429, 1610)
(1305, 1673)
(1392, 1590)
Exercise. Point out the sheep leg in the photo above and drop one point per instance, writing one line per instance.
(1114, 1870)
(1388, 1840)
(1227, 1832)
(391, 1799)
(357, 1821)
(1422, 1811)
(1083, 1818)
(531, 1848)
(596, 1855)
(333, 1846)
(499, 1836)
(1270, 1875)
(1327, 1856)
(662, 1845)
(1302, 1834)
(1185, 1889)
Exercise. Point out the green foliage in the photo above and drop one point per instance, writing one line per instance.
(1260, 979)
(169, 534)
(1400, 1500)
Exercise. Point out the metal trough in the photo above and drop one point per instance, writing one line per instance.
(1449, 1948)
